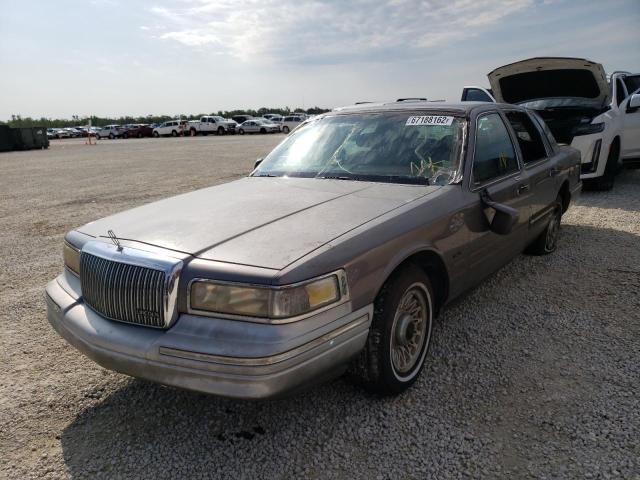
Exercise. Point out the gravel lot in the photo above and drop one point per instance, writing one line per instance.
(535, 374)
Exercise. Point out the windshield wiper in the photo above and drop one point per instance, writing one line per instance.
(337, 177)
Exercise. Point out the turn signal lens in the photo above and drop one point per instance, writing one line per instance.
(71, 258)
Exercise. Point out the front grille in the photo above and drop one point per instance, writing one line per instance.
(123, 292)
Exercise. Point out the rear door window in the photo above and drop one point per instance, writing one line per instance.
(494, 156)
(528, 135)
(632, 82)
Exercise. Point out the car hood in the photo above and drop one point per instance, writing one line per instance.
(264, 222)
(550, 77)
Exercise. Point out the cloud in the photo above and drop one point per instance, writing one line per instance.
(328, 31)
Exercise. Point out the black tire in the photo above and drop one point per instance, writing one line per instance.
(263, 130)
(241, 131)
(608, 178)
(375, 366)
(155, 134)
(285, 129)
(174, 133)
(125, 135)
(547, 241)
(192, 132)
(98, 137)
(111, 136)
(220, 130)
(139, 135)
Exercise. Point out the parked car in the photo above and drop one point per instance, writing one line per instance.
(137, 130)
(581, 107)
(273, 117)
(241, 118)
(110, 132)
(211, 124)
(339, 249)
(62, 133)
(51, 133)
(258, 125)
(291, 121)
(172, 127)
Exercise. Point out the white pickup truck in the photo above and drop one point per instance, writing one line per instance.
(581, 106)
(211, 124)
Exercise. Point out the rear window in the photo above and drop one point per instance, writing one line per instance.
(632, 83)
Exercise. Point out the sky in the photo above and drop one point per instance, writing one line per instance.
(129, 57)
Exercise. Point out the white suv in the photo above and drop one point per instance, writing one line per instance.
(581, 107)
(172, 127)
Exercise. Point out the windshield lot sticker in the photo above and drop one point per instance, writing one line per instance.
(439, 120)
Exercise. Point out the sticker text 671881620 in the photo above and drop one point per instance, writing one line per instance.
(439, 120)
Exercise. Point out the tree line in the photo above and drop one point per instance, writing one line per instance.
(17, 121)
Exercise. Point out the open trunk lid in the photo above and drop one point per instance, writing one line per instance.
(550, 77)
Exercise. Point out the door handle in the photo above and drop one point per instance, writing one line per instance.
(553, 172)
(522, 188)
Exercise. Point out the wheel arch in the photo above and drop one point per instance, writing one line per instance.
(432, 264)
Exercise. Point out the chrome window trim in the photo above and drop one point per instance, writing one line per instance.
(470, 184)
(343, 290)
(171, 267)
(264, 361)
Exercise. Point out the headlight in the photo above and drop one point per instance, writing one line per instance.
(71, 257)
(588, 128)
(267, 302)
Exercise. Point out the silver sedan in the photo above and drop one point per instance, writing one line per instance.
(258, 125)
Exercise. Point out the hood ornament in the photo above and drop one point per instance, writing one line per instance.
(115, 240)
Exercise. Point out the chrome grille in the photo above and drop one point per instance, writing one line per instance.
(123, 292)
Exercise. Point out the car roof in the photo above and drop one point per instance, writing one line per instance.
(460, 108)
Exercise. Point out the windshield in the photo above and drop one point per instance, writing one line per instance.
(400, 147)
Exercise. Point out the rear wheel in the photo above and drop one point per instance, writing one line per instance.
(547, 241)
(263, 130)
(400, 333)
(220, 131)
(111, 136)
(125, 135)
(285, 129)
(174, 133)
(241, 131)
(139, 135)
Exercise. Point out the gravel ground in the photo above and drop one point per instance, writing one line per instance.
(534, 374)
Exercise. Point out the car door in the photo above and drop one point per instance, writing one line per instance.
(631, 126)
(497, 173)
(542, 176)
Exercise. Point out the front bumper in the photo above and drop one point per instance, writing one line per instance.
(218, 356)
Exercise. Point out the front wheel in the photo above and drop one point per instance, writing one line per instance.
(220, 131)
(241, 131)
(139, 134)
(174, 133)
(156, 134)
(285, 129)
(111, 136)
(98, 137)
(547, 241)
(400, 333)
(126, 135)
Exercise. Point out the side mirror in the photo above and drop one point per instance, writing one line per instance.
(504, 218)
(258, 162)
(634, 103)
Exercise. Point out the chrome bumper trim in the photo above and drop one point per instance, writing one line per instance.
(261, 361)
